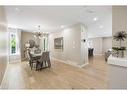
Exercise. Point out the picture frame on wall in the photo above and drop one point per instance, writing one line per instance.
(58, 43)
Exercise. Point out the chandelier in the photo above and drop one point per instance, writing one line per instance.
(40, 34)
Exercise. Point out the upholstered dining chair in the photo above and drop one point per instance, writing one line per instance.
(44, 60)
(37, 51)
(31, 59)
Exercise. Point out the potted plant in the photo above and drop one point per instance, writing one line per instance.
(117, 51)
(122, 49)
(120, 36)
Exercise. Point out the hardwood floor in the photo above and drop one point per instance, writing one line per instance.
(60, 76)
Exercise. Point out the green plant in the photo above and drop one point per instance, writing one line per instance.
(115, 48)
(13, 42)
(120, 36)
(122, 48)
(118, 49)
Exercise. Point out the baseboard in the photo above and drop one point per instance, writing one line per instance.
(83, 65)
(24, 59)
(70, 63)
(17, 61)
(4, 75)
(98, 54)
(58, 60)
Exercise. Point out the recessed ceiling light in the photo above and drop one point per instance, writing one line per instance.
(95, 19)
(62, 26)
(17, 9)
(101, 26)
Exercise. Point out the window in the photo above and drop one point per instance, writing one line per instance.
(13, 43)
(45, 43)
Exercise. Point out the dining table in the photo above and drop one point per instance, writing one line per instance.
(36, 55)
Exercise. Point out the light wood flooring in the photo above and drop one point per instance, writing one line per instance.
(59, 76)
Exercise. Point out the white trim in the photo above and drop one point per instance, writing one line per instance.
(83, 65)
(58, 60)
(16, 61)
(23, 59)
(17, 34)
(70, 62)
(98, 54)
(15, 54)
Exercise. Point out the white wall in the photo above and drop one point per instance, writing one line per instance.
(84, 45)
(72, 44)
(119, 23)
(101, 44)
(107, 44)
(97, 45)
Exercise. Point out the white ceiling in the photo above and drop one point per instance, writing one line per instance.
(52, 17)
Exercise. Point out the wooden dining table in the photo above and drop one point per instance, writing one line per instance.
(36, 54)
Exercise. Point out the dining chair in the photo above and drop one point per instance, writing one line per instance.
(32, 60)
(45, 60)
(37, 51)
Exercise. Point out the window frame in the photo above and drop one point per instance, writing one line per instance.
(16, 51)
